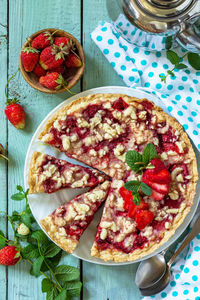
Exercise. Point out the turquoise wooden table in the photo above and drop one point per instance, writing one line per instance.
(18, 20)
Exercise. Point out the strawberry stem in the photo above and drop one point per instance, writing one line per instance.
(3, 156)
(72, 93)
(6, 94)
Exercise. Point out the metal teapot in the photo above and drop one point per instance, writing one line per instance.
(178, 20)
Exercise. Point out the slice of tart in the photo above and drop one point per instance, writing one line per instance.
(127, 231)
(68, 222)
(49, 174)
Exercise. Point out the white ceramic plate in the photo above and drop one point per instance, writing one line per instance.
(44, 204)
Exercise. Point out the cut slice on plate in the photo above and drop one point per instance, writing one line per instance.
(67, 223)
(49, 174)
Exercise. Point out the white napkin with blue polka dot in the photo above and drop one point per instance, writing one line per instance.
(180, 97)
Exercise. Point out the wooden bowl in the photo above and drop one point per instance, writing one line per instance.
(72, 75)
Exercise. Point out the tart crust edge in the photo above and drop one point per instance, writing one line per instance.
(34, 187)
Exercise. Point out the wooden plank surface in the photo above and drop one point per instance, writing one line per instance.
(102, 282)
(25, 18)
(3, 131)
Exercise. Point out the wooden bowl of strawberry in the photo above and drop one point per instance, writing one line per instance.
(52, 61)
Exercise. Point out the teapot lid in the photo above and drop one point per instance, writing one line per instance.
(158, 9)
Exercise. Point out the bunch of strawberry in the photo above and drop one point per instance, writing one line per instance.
(49, 58)
(158, 179)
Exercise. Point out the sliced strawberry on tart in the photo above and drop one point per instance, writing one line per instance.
(49, 174)
(68, 222)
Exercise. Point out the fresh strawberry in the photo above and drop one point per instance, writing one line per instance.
(15, 113)
(62, 41)
(2, 152)
(158, 164)
(157, 196)
(42, 41)
(127, 197)
(51, 57)
(9, 256)
(39, 71)
(162, 188)
(73, 61)
(60, 69)
(29, 58)
(143, 218)
(161, 177)
(52, 81)
(134, 208)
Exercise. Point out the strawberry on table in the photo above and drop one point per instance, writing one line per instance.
(73, 61)
(39, 71)
(15, 114)
(29, 58)
(53, 81)
(42, 41)
(9, 256)
(52, 57)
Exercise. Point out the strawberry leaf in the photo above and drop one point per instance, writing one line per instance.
(73, 288)
(66, 273)
(181, 66)
(173, 57)
(40, 237)
(146, 189)
(149, 153)
(52, 250)
(26, 219)
(62, 295)
(30, 252)
(46, 285)
(37, 266)
(2, 239)
(20, 188)
(194, 60)
(18, 197)
(52, 294)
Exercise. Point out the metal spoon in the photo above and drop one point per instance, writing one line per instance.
(164, 280)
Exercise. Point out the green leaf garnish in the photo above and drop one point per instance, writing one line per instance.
(136, 198)
(132, 186)
(149, 153)
(146, 189)
(133, 157)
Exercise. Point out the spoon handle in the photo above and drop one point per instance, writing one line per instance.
(195, 230)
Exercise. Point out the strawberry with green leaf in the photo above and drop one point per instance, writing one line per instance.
(52, 57)
(43, 40)
(53, 81)
(29, 58)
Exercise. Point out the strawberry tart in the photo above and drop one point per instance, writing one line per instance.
(150, 160)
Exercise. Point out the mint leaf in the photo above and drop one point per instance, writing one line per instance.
(133, 157)
(66, 273)
(173, 57)
(52, 250)
(62, 295)
(2, 240)
(136, 199)
(149, 153)
(40, 236)
(30, 252)
(171, 73)
(181, 66)
(36, 267)
(194, 60)
(18, 197)
(146, 189)
(20, 188)
(73, 288)
(46, 285)
(132, 186)
(15, 216)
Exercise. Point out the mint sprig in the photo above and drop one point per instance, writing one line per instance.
(60, 282)
(138, 162)
(176, 60)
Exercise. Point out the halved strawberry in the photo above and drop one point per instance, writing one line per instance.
(158, 164)
(127, 197)
(143, 218)
(161, 177)
(159, 187)
(157, 196)
(134, 208)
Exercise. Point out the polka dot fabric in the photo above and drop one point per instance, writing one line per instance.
(180, 97)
